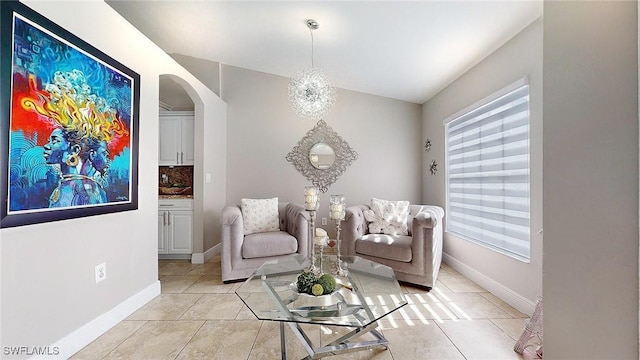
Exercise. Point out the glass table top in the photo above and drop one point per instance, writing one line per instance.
(369, 292)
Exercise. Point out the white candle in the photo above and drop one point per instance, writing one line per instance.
(310, 198)
(336, 207)
(321, 238)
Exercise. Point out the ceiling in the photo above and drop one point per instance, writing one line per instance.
(406, 50)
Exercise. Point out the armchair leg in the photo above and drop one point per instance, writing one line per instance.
(422, 287)
(233, 281)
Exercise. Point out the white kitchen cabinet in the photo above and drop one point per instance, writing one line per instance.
(163, 235)
(176, 138)
(175, 226)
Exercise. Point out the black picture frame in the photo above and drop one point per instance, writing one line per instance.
(69, 116)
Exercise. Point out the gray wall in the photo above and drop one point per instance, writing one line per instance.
(49, 295)
(514, 281)
(206, 71)
(262, 129)
(48, 287)
(591, 180)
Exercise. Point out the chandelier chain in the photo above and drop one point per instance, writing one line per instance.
(311, 32)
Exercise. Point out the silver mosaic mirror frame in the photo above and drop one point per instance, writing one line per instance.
(322, 178)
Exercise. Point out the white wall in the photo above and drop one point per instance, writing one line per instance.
(262, 129)
(591, 180)
(514, 281)
(48, 291)
(211, 152)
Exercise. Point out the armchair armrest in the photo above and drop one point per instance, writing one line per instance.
(353, 227)
(426, 216)
(426, 232)
(232, 235)
(297, 220)
(421, 230)
(423, 219)
(231, 215)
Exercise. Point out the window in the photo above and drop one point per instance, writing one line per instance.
(487, 171)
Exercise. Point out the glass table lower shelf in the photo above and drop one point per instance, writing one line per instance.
(366, 294)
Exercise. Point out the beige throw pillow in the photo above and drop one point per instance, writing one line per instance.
(260, 215)
(388, 217)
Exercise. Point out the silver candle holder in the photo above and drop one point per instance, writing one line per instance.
(337, 207)
(311, 204)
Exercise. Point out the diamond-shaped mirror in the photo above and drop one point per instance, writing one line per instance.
(321, 156)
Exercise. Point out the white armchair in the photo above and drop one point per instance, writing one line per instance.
(243, 254)
(415, 258)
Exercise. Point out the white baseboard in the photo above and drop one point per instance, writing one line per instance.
(507, 295)
(83, 336)
(201, 258)
(174, 256)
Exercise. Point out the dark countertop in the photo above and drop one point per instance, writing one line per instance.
(175, 196)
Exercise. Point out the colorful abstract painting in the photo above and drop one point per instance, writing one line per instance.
(70, 130)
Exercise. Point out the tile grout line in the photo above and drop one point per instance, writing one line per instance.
(451, 340)
(191, 285)
(255, 340)
(181, 292)
(123, 340)
(192, 305)
(501, 329)
(190, 339)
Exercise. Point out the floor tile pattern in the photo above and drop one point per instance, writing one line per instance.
(197, 316)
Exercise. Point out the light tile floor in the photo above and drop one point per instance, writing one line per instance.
(197, 316)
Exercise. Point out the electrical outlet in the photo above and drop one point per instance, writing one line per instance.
(324, 221)
(101, 272)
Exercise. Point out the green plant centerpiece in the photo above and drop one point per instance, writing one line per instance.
(309, 283)
(305, 281)
(328, 283)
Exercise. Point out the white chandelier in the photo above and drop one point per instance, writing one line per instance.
(311, 93)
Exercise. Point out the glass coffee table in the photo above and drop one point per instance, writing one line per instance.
(368, 293)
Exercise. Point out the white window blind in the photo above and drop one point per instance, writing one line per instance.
(487, 170)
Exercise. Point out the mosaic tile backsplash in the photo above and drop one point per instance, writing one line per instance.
(178, 177)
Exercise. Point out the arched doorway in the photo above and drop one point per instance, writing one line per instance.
(176, 186)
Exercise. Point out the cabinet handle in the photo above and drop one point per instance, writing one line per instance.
(177, 158)
(181, 157)
(168, 218)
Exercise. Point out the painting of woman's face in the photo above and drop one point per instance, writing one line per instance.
(100, 157)
(57, 148)
(70, 125)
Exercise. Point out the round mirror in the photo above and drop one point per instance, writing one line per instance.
(322, 156)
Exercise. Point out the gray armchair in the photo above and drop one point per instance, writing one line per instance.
(415, 258)
(243, 254)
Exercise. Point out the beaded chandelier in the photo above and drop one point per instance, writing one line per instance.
(311, 93)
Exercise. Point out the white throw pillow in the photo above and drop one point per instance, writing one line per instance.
(388, 217)
(260, 215)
